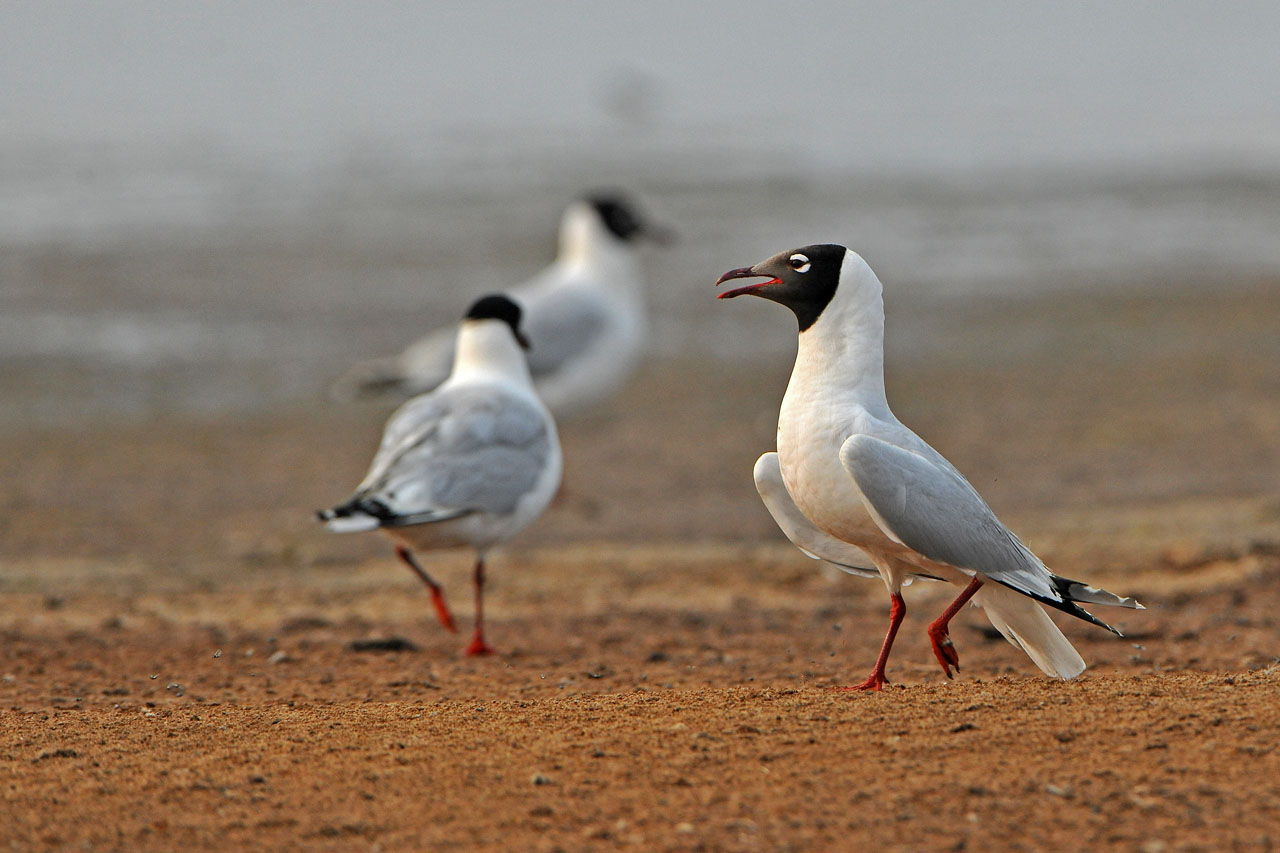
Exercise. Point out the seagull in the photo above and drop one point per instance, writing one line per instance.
(852, 485)
(471, 463)
(585, 316)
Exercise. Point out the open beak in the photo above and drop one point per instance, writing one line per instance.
(745, 272)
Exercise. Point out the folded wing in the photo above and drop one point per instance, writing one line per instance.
(468, 449)
(935, 512)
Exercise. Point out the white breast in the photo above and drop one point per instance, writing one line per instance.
(811, 429)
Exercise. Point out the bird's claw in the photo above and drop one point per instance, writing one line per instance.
(875, 681)
(944, 650)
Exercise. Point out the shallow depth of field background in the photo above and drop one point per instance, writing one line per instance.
(213, 208)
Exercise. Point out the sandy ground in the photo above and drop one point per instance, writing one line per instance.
(186, 661)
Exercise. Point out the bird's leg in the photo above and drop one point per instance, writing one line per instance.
(876, 679)
(478, 645)
(437, 593)
(943, 649)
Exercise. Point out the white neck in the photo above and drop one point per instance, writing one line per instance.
(488, 349)
(843, 350)
(585, 239)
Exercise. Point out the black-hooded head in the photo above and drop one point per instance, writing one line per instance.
(499, 307)
(624, 222)
(803, 279)
(618, 215)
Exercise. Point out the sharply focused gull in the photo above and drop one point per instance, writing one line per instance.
(851, 485)
(471, 463)
(585, 317)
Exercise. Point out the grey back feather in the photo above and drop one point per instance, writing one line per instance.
(562, 328)
(934, 511)
(470, 448)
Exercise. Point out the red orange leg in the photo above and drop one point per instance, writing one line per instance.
(877, 679)
(478, 645)
(437, 593)
(943, 649)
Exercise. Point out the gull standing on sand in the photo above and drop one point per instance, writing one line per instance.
(850, 484)
(585, 317)
(472, 463)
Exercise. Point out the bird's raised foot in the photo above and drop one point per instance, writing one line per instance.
(875, 681)
(943, 649)
(478, 647)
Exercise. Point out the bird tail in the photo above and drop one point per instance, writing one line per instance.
(363, 513)
(351, 517)
(1024, 623)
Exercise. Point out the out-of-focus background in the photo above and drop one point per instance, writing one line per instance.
(207, 211)
(214, 207)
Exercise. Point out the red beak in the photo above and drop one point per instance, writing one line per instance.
(744, 272)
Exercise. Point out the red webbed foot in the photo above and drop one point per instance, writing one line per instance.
(875, 681)
(943, 649)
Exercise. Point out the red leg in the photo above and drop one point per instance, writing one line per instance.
(876, 679)
(478, 645)
(437, 594)
(943, 649)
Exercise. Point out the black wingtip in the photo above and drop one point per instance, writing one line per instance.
(1066, 606)
(359, 504)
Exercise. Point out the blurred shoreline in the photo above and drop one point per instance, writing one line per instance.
(241, 299)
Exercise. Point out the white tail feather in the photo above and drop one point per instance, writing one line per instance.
(1024, 623)
(352, 524)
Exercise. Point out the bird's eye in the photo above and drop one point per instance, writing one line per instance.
(799, 262)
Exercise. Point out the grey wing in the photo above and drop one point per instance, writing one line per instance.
(416, 422)
(468, 449)
(420, 368)
(562, 328)
(810, 540)
(560, 324)
(937, 513)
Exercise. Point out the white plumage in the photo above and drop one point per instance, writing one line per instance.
(852, 485)
(471, 463)
(585, 316)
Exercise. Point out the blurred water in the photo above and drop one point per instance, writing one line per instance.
(220, 205)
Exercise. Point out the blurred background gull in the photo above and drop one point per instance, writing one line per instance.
(207, 211)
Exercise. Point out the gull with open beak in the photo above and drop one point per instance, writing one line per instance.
(849, 483)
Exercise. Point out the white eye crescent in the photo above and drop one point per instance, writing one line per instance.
(799, 262)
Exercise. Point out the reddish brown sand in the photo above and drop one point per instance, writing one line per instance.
(178, 668)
